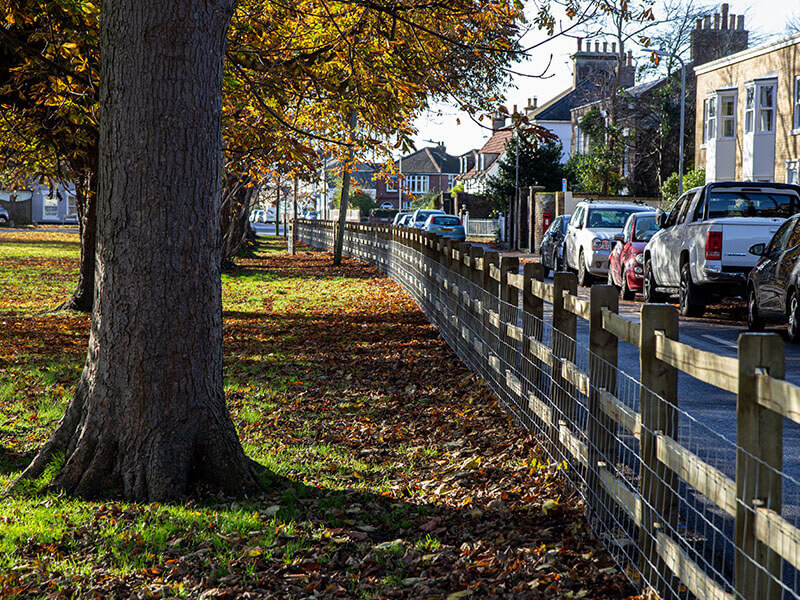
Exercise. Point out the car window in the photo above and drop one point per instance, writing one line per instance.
(781, 237)
(645, 228)
(794, 238)
(608, 218)
(676, 210)
(751, 204)
(576, 217)
(447, 221)
(685, 209)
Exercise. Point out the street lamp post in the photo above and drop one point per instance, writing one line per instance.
(683, 112)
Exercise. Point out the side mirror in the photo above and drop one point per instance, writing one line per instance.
(661, 218)
(757, 249)
(618, 237)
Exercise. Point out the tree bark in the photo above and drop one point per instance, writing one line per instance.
(234, 218)
(82, 299)
(148, 421)
(343, 203)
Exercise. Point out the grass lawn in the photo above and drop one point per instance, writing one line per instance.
(394, 474)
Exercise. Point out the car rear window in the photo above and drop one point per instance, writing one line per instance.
(645, 228)
(448, 221)
(609, 218)
(752, 204)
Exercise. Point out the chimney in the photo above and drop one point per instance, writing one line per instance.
(630, 58)
(605, 47)
(535, 101)
(726, 37)
(613, 47)
(699, 23)
(716, 20)
(740, 22)
(597, 46)
(725, 16)
(580, 44)
(707, 22)
(499, 120)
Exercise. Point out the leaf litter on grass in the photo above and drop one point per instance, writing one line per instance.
(392, 471)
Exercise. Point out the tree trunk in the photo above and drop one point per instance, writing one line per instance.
(82, 298)
(343, 204)
(148, 421)
(234, 218)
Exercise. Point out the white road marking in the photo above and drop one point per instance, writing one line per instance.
(719, 340)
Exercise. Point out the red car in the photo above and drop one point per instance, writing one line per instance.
(626, 262)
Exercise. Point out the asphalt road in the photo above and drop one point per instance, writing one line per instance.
(266, 228)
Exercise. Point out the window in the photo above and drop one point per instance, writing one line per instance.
(778, 241)
(451, 180)
(796, 109)
(417, 184)
(72, 206)
(50, 204)
(711, 118)
(752, 204)
(792, 167)
(391, 183)
(727, 117)
(672, 218)
(794, 239)
(766, 109)
(749, 108)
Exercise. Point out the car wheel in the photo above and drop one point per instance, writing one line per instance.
(584, 278)
(3, 220)
(793, 327)
(627, 293)
(689, 305)
(650, 293)
(754, 321)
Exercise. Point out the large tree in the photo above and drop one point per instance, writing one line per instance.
(149, 420)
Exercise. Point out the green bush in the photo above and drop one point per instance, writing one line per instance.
(669, 189)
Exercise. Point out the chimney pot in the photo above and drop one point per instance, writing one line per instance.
(739, 21)
(732, 22)
(605, 46)
(580, 44)
(725, 16)
(515, 109)
(716, 20)
(707, 22)
(630, 58)
(535, 101)
(614, 47)
(597, 46)
(699, 23)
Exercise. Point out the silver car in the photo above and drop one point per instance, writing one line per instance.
(4, 216)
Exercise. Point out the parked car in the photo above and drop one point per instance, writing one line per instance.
(399, 217)
(590, 236)
(552, 247)
(258, 216)
(421, 215)
(773, 286)
(449, 226)
(4, 216)
(625, 263)
(407, 220)
(701, 249)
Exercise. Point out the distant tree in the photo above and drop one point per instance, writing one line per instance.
(539, 164)
(669, 191)
(357, 198)
(598, 171)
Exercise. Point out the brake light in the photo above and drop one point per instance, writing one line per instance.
(714, 245)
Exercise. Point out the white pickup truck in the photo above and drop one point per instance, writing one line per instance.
(701, 250)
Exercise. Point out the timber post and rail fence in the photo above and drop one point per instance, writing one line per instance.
(684, 511)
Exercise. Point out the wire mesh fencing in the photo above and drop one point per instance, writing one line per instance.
(686, 511)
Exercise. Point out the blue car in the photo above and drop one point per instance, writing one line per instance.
(445, 225)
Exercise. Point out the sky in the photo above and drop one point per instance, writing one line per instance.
(442, 124)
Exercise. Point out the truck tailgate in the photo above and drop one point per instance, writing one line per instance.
(738, 234)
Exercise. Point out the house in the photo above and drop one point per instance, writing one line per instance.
(476, 167)
(323, 188)
(748, 106)
(593, 71)
(430, 169)
(642, 111)
(41, 203)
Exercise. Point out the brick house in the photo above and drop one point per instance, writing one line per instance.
(430, 169)
(750, 108)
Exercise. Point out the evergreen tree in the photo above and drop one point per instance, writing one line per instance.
(539, 164)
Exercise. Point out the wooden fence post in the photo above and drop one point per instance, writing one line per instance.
(601, 428)
(658, 401)
(509, 313)
(490, 292)
(475, 256)
(565, 327)
(759, 460)
(533, 374)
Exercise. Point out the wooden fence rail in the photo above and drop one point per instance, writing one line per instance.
(500, 328)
